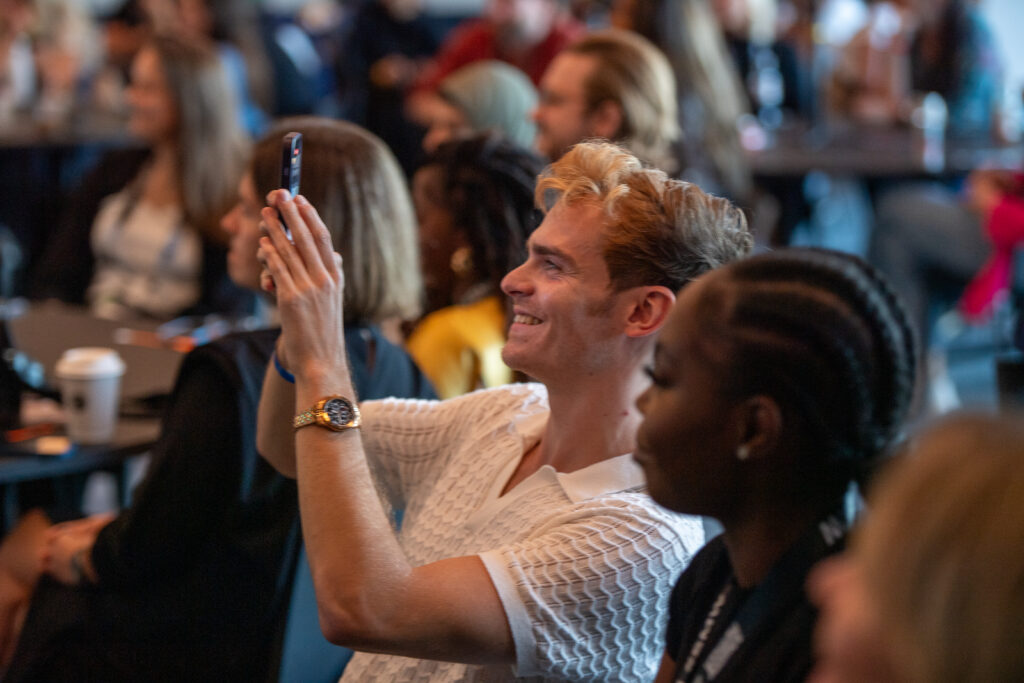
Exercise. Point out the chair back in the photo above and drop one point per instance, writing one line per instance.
(306, 656)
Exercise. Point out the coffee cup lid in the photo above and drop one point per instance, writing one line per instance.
(89, 362)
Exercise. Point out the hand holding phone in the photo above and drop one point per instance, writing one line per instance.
(291, 174)
(291, 169)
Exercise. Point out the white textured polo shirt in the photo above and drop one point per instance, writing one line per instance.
(583, 562)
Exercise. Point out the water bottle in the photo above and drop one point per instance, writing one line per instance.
(767, 86)
(1011, 115)
(930, 118)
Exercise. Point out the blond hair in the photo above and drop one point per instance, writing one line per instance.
(658, 231)
(634, 74)
(358, 188)
(942, 554)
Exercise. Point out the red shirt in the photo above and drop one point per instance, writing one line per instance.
(476, 39)
(1005, 229)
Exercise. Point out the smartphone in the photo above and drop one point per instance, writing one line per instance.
(291, 168)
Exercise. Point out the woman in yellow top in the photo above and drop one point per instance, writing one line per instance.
(474, 203)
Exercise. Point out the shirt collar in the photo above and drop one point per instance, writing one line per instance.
(614, 475)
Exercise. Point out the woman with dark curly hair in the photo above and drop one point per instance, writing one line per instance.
(474, 202)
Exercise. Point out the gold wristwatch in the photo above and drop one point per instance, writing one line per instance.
(336, 413)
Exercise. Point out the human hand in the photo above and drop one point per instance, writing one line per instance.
(58, 68)
(392, 72)
(65, 555)
(14, 601)
(875, 109)
(986, 188)
(306, 276)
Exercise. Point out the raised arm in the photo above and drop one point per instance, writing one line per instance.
(370, 597)
(275, 439)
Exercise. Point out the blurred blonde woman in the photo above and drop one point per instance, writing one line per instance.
(932, 590)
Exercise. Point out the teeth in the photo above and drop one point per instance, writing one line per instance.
(524, 319)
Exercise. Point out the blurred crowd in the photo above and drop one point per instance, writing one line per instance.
(521, 195)
(693, 87)
(381, 63)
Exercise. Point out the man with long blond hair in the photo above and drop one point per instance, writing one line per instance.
(528, 547)
(611, 84)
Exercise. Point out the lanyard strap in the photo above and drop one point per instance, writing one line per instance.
(705, 632)
(785, 579)
(133, 195)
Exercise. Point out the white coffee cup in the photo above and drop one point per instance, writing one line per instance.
(90, 382)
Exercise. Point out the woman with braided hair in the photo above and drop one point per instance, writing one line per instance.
(776, 383)
(474, 203)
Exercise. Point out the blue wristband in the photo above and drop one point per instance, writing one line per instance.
(285, 375)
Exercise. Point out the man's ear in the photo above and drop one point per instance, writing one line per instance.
(650, 308)
(606, 120)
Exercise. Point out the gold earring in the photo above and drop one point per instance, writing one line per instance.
(743, 452)
(461, 261)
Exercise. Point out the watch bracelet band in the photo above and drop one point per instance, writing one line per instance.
(306, 417)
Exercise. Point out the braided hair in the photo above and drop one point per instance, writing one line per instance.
(487, 186)
(823, 333)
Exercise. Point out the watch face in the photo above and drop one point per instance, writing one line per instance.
(339, 412)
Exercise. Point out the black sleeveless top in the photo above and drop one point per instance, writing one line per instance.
(195, 576)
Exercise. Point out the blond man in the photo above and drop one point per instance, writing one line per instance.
(611, 84)
(528, 547)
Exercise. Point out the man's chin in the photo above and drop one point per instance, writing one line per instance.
(508, 357)
(516, 359)
(545, 148)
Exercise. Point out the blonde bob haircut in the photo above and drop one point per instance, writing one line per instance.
(942, 554)
(358, 188)
(657, 230)
(634, 74)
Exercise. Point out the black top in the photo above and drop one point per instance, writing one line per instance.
(370, 34)
(195, 576)
(775, 618)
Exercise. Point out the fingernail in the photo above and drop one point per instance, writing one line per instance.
(301, 201)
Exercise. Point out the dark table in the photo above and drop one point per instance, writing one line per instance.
(873, 152)
(85, 128)
(20, 463)
(45, 331)
(877, 155)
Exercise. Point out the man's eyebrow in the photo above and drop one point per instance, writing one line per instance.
(545, 250)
